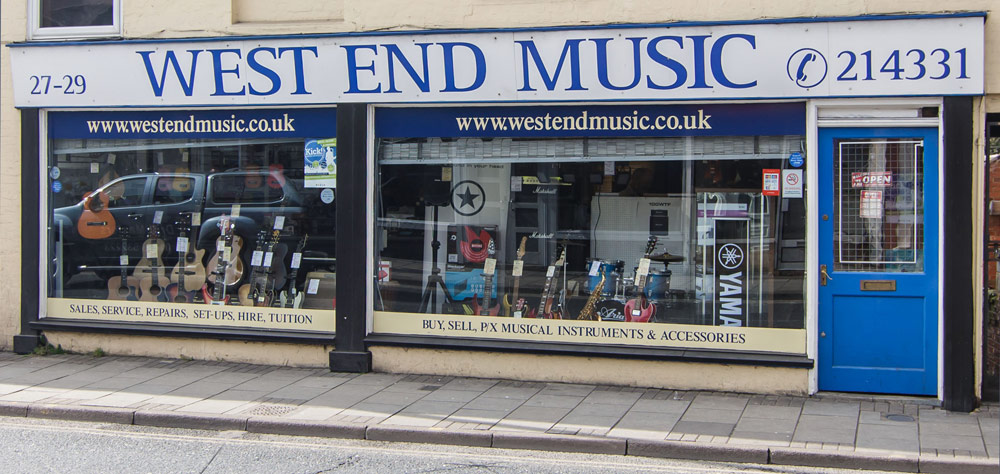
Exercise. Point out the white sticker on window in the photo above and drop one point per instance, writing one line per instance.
(518, 268)
(279, 222)
(158, 217)
(235, 210)
(95, 168)
(111, 158)
(515, 183)
(313, 287)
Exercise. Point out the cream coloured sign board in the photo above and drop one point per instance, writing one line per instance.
(883, 57)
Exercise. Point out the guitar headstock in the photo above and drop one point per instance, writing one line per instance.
(650, 245)
(562, 258)
(302, 243)
(491, 248)
(521, 248)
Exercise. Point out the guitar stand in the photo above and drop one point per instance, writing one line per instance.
(428, 301)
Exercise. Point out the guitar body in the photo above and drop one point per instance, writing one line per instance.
(243, 295)
(119, 290)
(176, 295)
(194, 271)
(206, 294)
(277, 274)
(639, 310)
(234, 269)
(96, 221)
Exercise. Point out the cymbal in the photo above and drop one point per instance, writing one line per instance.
(666, 257)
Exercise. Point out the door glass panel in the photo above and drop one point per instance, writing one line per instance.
(878, 205)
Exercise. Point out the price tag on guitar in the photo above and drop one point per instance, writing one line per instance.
(296, 259)
(182, 245)
(490, 267)
(158, 217)
(279, 222)
(257, 258)
(268, 256)
(152, 251)
(518, 269)
(595, 267)
(643, 269)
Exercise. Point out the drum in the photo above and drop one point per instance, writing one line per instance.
(658, 285)
(610, 277)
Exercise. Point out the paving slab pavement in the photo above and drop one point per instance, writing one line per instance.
(831, 430)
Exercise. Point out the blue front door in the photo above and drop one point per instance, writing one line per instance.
(878, 255)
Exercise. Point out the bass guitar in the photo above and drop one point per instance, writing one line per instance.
(638, 309)
(152, 274)
(96, 221)
(123, 287)
(514, 306)
(221, 263)
(189, 273)
(291, 297)
(548, 307)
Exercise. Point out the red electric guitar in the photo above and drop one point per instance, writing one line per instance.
(638, 309)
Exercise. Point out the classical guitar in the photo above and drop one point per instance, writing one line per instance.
(221, 263)
(512, 305)
(123, 287)
(96, 221)
(231, 245)
(548, 308)
(152, 274)
(638, 309)
(189, 273)
(254, 287)
(291, 297)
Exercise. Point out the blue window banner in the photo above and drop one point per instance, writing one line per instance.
(555, 121)
(249, 123)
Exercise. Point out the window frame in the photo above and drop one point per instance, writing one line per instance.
(37, 33)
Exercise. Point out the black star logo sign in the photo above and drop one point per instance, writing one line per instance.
(467, 197)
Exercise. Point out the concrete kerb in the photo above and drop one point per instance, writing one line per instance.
(938, 465)
(554, 442)
(698, 451)
(79, 413)
(319, 429)
(843, 460)
(408, 434)
(194, 421)
(13, 409)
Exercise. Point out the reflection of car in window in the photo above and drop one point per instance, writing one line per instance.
(135, 200)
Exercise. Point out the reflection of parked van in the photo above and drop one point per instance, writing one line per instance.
(133, 202)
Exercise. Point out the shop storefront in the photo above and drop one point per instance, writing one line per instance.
(762, 203)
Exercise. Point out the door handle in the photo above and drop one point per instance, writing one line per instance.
(823, 275)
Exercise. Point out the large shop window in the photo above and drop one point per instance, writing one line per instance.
(209, 218)
(662, 226)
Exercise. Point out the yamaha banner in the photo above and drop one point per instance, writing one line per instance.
(731, 276)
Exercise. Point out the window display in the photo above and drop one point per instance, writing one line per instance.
(181, 227)
(624, 235)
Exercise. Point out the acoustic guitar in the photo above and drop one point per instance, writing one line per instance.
(123, 287)
(254, 288)
(96, 221)
(515, 306)
(639, 309)
(189, 274)
(152, 274)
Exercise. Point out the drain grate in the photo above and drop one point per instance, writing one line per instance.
(270, 410)
(898, 417)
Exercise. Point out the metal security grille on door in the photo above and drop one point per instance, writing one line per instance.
(878, 205)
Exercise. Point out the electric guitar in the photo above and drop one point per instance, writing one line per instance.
(225, 246)
(519, 306)
(96, 221)
(292, 298)
(233, 264)
(254, 288)
(548, 308)
(638, 309)
(189, 273)
(123, 287)
(489, 268)
(152, 274)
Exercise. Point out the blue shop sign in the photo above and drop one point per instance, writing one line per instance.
(253, 123)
